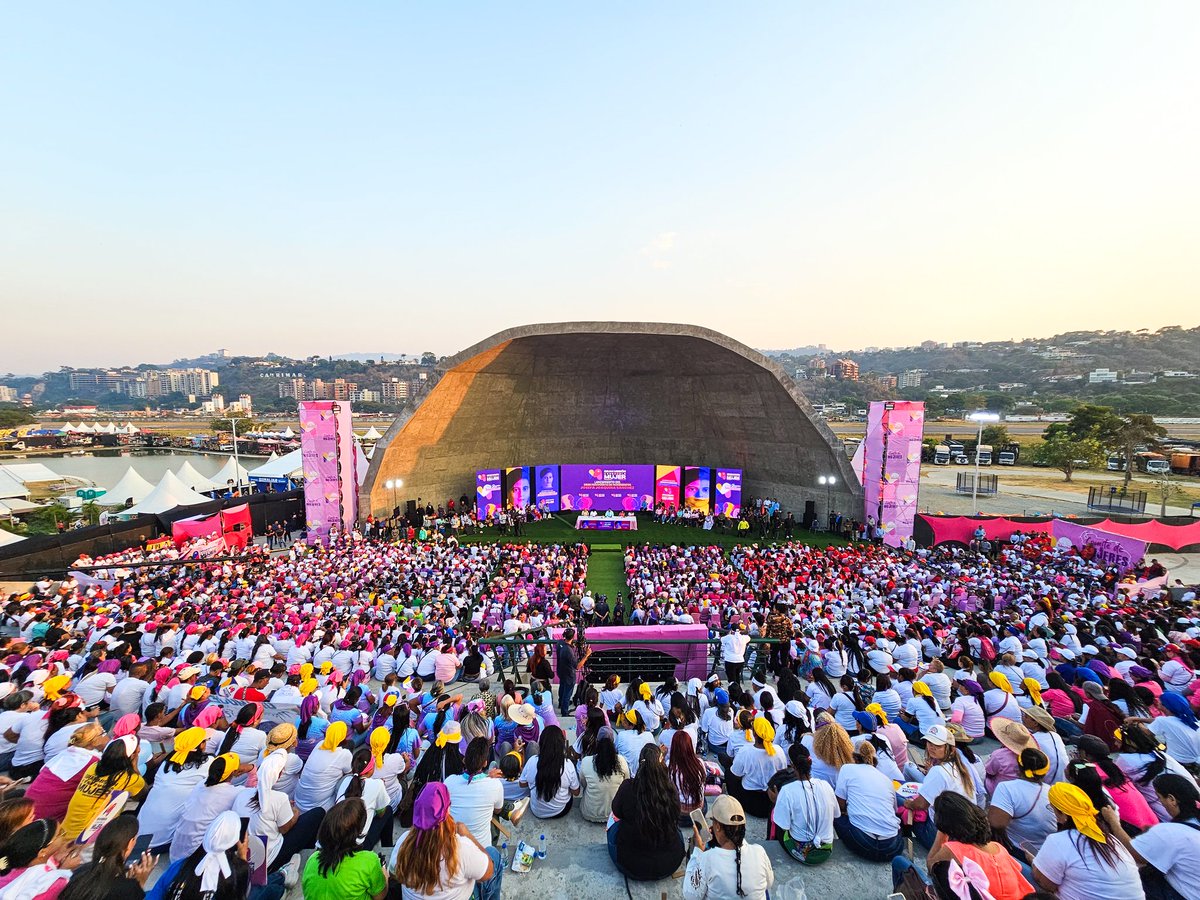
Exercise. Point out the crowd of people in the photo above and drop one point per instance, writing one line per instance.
(333, 719)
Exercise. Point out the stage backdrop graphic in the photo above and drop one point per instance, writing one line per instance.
(545, 488)
(607, 487)
(516, 486)
(697, 488)
(1111, 549)
(327, 453)
(728, 495)
(489, 492)
(666, 485)
(892, 466)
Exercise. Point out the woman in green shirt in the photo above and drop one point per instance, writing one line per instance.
(339, 870)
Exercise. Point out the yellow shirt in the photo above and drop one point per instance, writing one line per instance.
(91, 796)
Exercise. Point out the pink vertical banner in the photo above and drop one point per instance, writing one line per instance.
(871, 461)
(347, 469)
(903, 431)
(319, 453)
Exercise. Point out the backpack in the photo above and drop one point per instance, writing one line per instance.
(987, 649)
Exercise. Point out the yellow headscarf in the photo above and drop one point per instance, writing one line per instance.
(53, 687)
(876, 710)
(644, 691)
(379, 741)
(1001, 681)
(631, 716)
(307, 686)
(233, 762)
(187, 741)
(326, 667)
(306, 671)
(1072, 801)
(765, 730)
(334, 735)
(1034, 690)
(921, 689)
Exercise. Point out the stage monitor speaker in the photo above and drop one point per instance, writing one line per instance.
(810, 513)
(410, 512)
(395, 512)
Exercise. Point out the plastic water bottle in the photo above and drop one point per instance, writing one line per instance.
(541, 851)
(504, 855)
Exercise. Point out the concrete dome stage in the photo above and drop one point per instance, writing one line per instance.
(611, 393)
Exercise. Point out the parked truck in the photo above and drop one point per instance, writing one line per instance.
(1185, 463)
(941, 455)
(1152, 463)
(983, 454)
(1116, 462)
(1009, 454)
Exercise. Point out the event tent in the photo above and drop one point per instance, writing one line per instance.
(287, 433)
(188, 475)
(11, 505)
(130, 429)
(231, 471)
(290, 467)
(11, 486)
(372, 434)
(130, 486)
(85, 428)
(7, 537)
(167, 494)
(32, 473)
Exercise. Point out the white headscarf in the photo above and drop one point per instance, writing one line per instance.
(222, 834)
(268, 773)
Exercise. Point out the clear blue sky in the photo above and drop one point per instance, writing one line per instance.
(316, 178)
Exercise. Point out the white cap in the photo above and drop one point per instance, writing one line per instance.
(939, 735)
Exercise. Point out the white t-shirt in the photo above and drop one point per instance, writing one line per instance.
(713, 874)
(1029, 805)
(630, 744)
(944, 777)
(1174, 849)
(567, 782)
(1182, 742)
(472, 866)
(127, 696)
(322, 772)
(733, 647)
(806, 810)
(842, 706)
(11, 720)
(266, 820)
(94, 688)
(1085, 876)
(939, 686)
(374, 796)
(29, 739)
(973, 722)
(925, 714)
(870, 799)
(755, 766)
(1056, 751)
(474, 802)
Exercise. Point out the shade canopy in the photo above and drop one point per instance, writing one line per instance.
(130, 486)
(192, 478)
(167, 494)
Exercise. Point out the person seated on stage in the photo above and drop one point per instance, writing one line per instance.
(608, 514)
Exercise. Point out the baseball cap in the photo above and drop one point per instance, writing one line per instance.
(939, 735)
(728, 811)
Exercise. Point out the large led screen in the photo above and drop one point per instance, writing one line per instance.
(516, 486)
(666, 486)
(545, 488)
(489, 492)
(729, 492)
(697, 488)
(607, 487)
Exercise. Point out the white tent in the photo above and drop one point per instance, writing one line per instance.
(188, 475)
(32, 473)
(287, 466)
(131, 485)
(85, 428)
(70, 429)
(11, 505)
(372, 434)
(231, 471)
(132, 429)
(11, 486)
(7, 537)
(110, 428)
(287, 433)
(167, 494)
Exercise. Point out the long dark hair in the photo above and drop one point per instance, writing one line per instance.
(338, 834)
(686, 769)
(656, 797)
(1183, 791)
(606, 759)
(243, 718)
(1139, 739)
(595, 721)
(552, 759)
(401, 718)
(1097, 752)
(818, 675)
(99, 878)
(60, 719)
(112, 766)
(736, 835)
(358, 765)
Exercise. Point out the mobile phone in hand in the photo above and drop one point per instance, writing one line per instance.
(697, 816)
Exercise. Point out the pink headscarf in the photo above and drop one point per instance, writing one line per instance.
(127, 724)
(207, 716)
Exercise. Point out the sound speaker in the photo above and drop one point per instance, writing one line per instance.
(410, 512)
(810, 513)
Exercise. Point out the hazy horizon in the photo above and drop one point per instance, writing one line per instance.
(295, 177)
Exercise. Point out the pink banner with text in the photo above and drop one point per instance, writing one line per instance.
(892, 466)
(327, 452)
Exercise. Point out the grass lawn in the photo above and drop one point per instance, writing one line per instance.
(606, 565)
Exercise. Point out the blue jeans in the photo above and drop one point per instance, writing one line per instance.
(490, 889)
(612, 847)
(566, 690)
(1070, 731)
(274, 889)
(864, 845)
(900, 865)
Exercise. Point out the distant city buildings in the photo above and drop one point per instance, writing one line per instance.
(1103, 376)
(845, 370)
(910, 379)
(7, 394)
(143, 383)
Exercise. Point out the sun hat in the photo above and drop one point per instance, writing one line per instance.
(1013, 735)
(521, 713)
(938, 735)
(728, 811)
(1041, 716)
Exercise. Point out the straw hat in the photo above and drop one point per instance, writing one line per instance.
(1013, 735)
(521, 713)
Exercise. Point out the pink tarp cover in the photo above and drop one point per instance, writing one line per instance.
(235, 525)
(961, 529)
(187, 529)
(692, 658)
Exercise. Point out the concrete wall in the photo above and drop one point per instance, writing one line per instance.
(612, 393)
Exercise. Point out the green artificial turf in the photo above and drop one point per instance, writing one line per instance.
(606, 572)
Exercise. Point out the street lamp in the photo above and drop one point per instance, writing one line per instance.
(981, 418)
(828, 481)
(391, 486)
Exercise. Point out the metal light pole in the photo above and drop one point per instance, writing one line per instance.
(237, 463)
(391, 486)
(828, 481)
(979, 417)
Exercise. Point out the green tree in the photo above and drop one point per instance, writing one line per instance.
(1091, 421)
(14, 418)
(1066, 453)
(995, 435)
(243, 425)
(1167, 490)
(1137, 431)
(90, 513)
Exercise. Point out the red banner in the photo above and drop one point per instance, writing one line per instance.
(962, 529)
